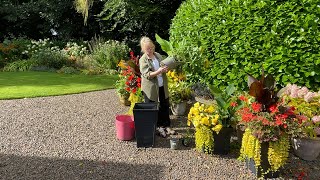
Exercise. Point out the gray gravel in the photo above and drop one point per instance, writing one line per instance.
(73, 137)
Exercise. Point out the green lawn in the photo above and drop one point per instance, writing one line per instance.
(38, 84)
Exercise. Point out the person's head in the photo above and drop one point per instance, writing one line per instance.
(147, 45)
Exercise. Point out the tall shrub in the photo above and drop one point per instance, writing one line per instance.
(108, 54)
(223, 40)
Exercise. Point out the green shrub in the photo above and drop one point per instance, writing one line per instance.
(222, 40)
(68, 70)
(51, 58)
(20, 65)
(108, 54)
(12, 50)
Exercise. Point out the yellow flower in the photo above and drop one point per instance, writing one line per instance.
(217, 128)
(122, 64)
(215, 119)
(196, 105)
(210, 109)
(205, 121)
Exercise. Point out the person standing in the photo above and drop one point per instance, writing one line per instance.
(154, 84)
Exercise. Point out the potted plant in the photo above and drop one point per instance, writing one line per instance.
(179, 93)
(121, 91)
(205, 120)
(227, 105)
(307, 104)
(269, 124)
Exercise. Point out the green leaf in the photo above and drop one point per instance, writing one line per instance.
(230, 89)
(165, 45)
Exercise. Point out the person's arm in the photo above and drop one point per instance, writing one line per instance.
(147, 72)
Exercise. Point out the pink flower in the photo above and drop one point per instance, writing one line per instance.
(294, 91)
(316, 119)
(309, 96)
(302, 92)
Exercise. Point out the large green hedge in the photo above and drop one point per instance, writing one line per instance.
(222, 40)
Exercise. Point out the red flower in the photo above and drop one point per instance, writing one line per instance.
(265, 121)
(138, 79)
(127, 83)
(139, 85)
(256, 106)
(273, 108)
(247, 117)
(233, 104)
(128, 89)
(134, 90)
(243, 98)
(131, 77)
(279, 120)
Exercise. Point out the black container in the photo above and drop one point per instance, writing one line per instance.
(261, 171)
(222, 141)
(145, 122)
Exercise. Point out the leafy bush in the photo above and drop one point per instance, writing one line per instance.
(12, 50)
(21, 65)
(51, 58)
(225, 39)
(108, 54)
(68, 70)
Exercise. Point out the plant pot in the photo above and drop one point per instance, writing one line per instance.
(306, 148)
(170, 62)
(261, 171)
(205, 101)
(179, 109)
(222, 141)
(240, 132)
(174, 143)
(124, 100)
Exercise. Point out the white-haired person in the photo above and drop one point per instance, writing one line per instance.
(154, 84)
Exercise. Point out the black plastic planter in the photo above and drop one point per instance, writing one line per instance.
(145, 122)
(261, 172)
(222, 141)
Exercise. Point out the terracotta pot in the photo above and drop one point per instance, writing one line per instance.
(306, 148)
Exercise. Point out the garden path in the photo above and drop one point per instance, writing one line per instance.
(73, 137)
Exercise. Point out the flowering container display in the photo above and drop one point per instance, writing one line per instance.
(307, 103)
(130, 76)
(269, 123)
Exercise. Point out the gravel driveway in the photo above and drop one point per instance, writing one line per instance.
(73, 137)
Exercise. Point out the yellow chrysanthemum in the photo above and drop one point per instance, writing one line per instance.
(196, 105)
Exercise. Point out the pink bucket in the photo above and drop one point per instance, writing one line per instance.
(125, 127)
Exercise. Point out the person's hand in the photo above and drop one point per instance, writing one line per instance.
(163, 69)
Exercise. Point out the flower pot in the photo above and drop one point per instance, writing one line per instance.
(262, 170)
(222, 141)
(174, 143)
(170, 62)
(240, 132)
(306, 148)
(124, 100)
(205, 101)
(179, 109)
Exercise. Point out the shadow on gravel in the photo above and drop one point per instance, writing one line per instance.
(21, 167)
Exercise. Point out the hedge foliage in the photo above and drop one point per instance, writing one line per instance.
(222, 40)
